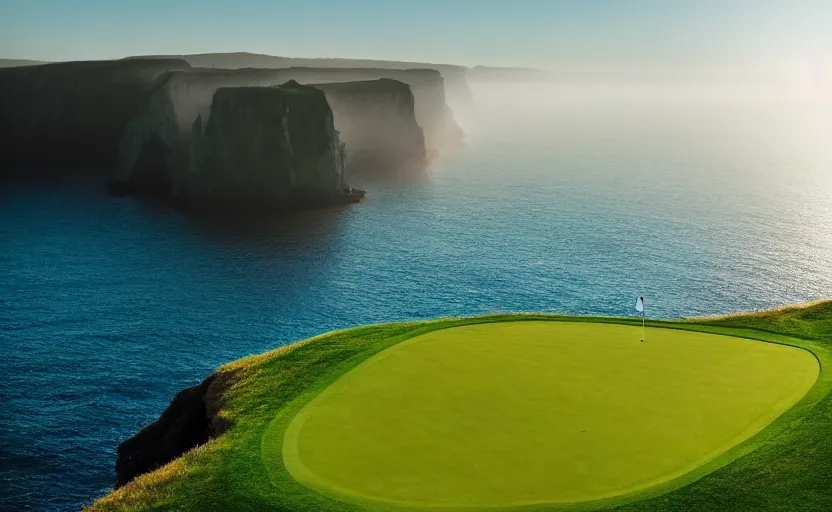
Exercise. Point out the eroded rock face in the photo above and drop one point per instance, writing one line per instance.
(377, 122)
(247, 148)
(188, 422)
(73, 114)
(441, 130)
(378, 116)
(189, 95)
(266, 147)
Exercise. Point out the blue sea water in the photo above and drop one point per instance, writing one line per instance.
(569, 203)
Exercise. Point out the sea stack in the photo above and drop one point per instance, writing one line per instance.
(256, 148)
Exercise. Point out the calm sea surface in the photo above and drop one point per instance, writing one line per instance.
(575, 202)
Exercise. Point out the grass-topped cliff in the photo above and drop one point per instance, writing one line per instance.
(251, 407)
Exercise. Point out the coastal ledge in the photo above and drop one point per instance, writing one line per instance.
(246, 396)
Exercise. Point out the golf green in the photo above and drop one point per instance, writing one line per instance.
(514, 413)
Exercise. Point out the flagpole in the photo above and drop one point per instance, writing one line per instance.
(642, 326)
(640, 309)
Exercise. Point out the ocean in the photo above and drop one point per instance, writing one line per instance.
(569, 199)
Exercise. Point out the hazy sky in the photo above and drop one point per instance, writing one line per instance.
(541, 33)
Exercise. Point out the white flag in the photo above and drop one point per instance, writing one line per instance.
(640, 305)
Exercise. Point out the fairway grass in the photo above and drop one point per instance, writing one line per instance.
(785, 466)
(520, 413)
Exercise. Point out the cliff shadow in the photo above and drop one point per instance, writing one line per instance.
(271, 231)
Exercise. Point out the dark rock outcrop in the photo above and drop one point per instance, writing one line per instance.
(157, 153)
(377, 123)
(76, 114)
(73, 114)
(189, 421)
(205, 147)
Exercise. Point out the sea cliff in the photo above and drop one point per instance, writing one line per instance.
(432, 112)
(154, 126)
(455, 77)
(377, 122)
(253, 148)
(72, 114)
(379, 118)
(427, 85)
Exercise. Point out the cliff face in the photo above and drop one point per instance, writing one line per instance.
(377, 123)
(75, 114)
(243, 148)
(72, 114)
(456, 85)
(441, 131)
(427, 86)
(189, 421)
(157, 144)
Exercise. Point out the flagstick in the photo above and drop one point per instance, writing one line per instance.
(642, 326)
(640, 309)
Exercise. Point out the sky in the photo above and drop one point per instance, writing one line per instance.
(534, 33)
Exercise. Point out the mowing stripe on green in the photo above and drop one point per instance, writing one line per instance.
(516, 413)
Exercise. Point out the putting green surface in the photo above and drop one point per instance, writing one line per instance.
(515, 413)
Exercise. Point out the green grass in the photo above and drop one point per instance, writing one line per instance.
(786, 466)
(537, 412)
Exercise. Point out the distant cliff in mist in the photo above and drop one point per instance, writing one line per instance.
(457, 88)
(377, 122)
(433, 114)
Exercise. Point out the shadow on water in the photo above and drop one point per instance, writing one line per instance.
(285, 229)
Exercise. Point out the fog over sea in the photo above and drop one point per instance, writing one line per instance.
(566, 199)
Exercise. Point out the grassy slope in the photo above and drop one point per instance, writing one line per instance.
(787, 467)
